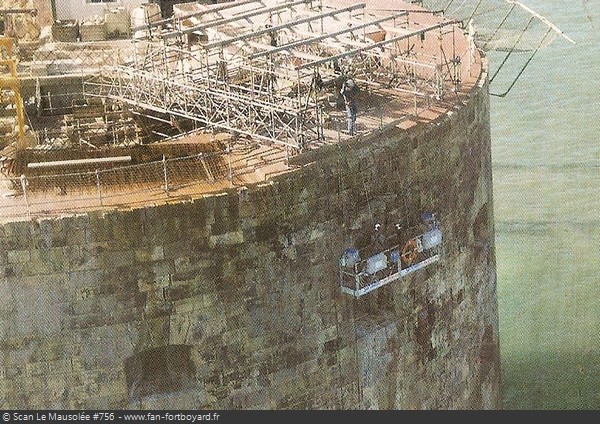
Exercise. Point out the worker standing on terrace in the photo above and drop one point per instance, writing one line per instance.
(349, 91)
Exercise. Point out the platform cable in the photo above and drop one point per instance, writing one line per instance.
(353, 311)
(337, 353)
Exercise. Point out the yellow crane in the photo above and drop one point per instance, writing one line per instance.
(9, 80)
(11, 87)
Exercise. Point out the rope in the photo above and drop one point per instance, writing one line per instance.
(367, 197)
(448, 5)
(344, 219)
(360, 388)
(337, 354)
(340, 185)
(474, 10)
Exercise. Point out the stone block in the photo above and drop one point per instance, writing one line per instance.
(47, 261)
(18, 256)
(17, 236)
(226, 239)
(149, 254)
(113, 259)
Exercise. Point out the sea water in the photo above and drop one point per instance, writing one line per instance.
(546, 169)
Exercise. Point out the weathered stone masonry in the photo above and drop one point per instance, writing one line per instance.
(232, 300)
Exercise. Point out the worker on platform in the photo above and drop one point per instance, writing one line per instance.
(349, 91)
(377, 244)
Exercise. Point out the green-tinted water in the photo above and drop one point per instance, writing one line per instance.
(546, 153)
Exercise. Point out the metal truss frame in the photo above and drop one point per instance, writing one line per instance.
(264, 78)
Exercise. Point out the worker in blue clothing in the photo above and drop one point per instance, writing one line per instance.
(349, 91)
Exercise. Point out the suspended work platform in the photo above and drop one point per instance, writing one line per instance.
(359, 277)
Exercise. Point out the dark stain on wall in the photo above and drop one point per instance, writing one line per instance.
(159, 370)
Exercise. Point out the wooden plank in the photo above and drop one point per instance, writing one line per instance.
(78, 162)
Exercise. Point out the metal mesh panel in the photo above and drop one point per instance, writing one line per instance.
(72, 184)
(132, 183)
(78, 58)
(184, 171)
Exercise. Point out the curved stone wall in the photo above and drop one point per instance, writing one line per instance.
(232, 300)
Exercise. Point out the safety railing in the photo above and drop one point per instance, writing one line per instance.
(122, 186)
(359, 277)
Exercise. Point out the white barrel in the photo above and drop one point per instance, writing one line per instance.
(376, 263)
(138, 19)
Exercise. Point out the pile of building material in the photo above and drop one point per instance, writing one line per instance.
(66, 31)
(115, 23)
(92, 30)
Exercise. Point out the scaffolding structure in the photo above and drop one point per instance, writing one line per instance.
(270, 69)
